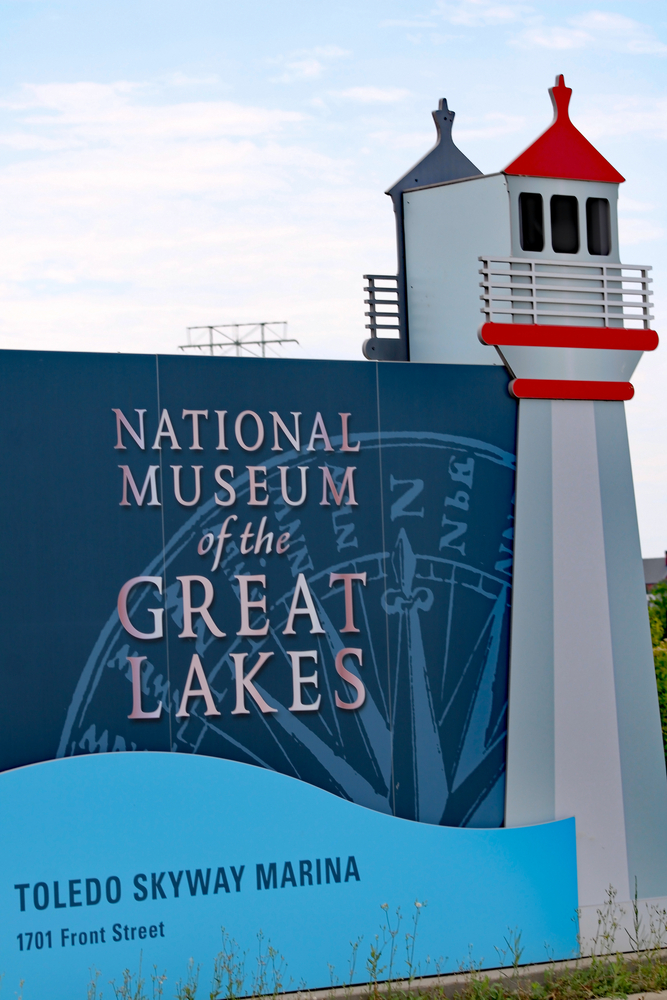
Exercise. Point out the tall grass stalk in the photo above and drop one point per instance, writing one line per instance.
(608, 973)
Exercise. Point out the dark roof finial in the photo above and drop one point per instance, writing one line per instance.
(444, 162)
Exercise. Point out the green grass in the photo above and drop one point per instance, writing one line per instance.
(657, 613)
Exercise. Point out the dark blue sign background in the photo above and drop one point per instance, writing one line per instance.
(432, 530)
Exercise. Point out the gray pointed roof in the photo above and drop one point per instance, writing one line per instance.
(445, 162)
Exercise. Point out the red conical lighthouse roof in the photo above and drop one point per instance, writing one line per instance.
(562, 151)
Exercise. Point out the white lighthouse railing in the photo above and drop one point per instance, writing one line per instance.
(525, 290)
(377, 297)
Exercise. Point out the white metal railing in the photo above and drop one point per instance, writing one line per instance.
(376, 297)
(525, 290)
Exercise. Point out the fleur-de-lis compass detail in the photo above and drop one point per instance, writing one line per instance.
(429, 779)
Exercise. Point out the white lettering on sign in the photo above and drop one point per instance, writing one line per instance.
(276, 488)
(253, 622)
(191, 485)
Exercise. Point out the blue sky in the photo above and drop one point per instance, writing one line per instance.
(165, 164)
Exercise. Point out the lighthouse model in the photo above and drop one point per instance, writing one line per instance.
(522, 268)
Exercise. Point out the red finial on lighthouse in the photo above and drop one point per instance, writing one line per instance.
(560, 98)
(562, 151)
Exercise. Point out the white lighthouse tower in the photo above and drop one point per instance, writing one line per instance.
(523, 268)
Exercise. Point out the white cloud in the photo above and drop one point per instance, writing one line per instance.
(556, 37)
(183, 80)
(596, 29)
(633, 231)
(126, 221)
(414, 23)
(592, 29)
(418, 142)
(482, 13)
(301, 69)
(372, 95)
(621, 116)
(307, 64)
(623, 33)
(331, 52)
(626, 204)
(491, 126)
(88, 110)
(637, 221)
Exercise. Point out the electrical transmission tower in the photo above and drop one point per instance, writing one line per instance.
(216, 339)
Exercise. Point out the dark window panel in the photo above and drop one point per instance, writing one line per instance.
(564, 223)
(531, 216)
(598, 226)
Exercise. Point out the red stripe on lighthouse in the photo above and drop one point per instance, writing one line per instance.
(538, 335)
(542, 388)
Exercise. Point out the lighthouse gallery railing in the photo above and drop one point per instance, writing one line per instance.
(525, 290)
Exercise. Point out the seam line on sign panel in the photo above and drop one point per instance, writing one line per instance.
(384, 570)
(164, 564)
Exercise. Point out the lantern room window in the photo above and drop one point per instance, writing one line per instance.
(598, 226)
(564, 223)
(531, 215)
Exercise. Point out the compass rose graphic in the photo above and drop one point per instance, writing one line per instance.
(432, 533)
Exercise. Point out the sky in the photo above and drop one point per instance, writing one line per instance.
(166, 164)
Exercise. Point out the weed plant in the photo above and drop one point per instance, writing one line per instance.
(608, 973)
(628, 956)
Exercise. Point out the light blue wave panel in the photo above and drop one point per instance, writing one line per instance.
(113, 860)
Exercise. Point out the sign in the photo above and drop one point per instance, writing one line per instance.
(300, 566)
(146, 857)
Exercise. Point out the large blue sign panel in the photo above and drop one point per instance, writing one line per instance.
(289, 582)
(146, 857)
(304, 566)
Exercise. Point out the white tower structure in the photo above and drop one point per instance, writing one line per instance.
(570, 322)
